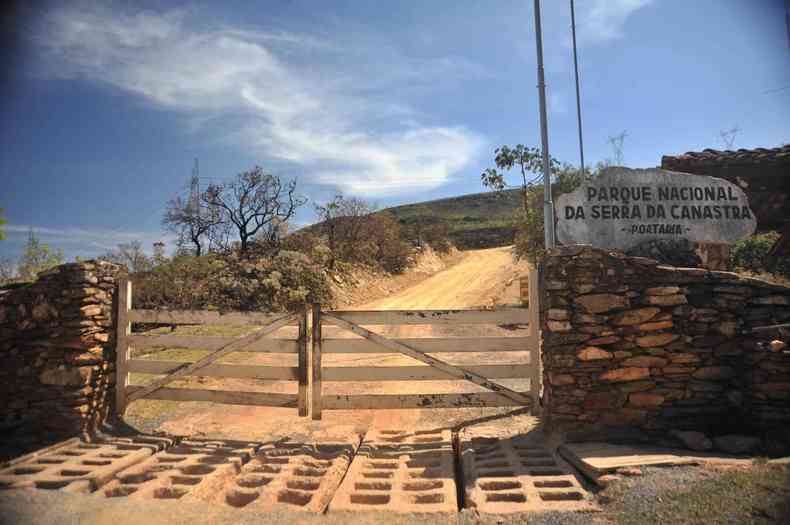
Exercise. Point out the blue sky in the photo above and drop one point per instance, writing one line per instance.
(107, 104)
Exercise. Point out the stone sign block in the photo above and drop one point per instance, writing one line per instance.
(622, 208)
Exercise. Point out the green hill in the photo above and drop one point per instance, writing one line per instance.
(477, 220)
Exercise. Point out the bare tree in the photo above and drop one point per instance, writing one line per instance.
(191, 219)
(343, 221)
(7, 269)
(131, 255)
(256, 203)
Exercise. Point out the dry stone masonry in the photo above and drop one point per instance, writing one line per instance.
(58, 357)
(631, 344)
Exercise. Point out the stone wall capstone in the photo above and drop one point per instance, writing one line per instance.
(57, 348)
(633, 346)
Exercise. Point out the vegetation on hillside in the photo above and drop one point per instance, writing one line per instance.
(753, 255)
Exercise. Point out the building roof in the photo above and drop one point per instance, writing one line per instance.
(713, 157)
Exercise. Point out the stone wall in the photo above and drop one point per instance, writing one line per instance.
(631, 345)
(57, 351)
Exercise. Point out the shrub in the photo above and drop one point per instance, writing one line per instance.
(751, 254)
(280, 283)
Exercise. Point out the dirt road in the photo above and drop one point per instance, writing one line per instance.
(479, 279)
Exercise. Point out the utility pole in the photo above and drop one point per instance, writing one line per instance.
(548, 204)
(578, 97)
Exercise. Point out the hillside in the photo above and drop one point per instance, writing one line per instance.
(477, 220)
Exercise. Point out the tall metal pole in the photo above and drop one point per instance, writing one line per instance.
(548, 204)
(578, 97)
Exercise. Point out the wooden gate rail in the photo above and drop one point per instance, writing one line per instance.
(207, 366)
(418, 348)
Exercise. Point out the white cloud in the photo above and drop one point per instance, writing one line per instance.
(600, 21)
(340, 124)
(96, 239)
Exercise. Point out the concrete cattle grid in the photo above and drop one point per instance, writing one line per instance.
(180, 470)
(291, 476)
(509, 475)
(401, 472)
(75, 466)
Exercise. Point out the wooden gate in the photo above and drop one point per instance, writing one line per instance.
(367, 342)
(423, 350)
(218, 346)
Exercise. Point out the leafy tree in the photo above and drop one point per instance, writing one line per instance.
(529, 241)
(256, 204)
(131, 255)
(526, 160)
(37, 258)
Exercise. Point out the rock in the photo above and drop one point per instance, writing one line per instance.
(662, 290)
(625, 374)
(780, 300)
(65, 376)
(736, 443)
(660, 325)
(559, 326)
(636, 316)
(693, 440)
(558, 314)
(561, 379)
(666, 300)
(604, 340)
(592, 353)
(643, 399)
(90, 310)
(646, 361)
(602, 302)
(777, 346)
(714, 373)
(651, 341)
(600, 400)
(629, 472)
(607, 479)
(43, 311)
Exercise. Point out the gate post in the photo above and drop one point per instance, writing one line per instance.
(303, 380)
(316, 394)
(534, 336)
(122, 331)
